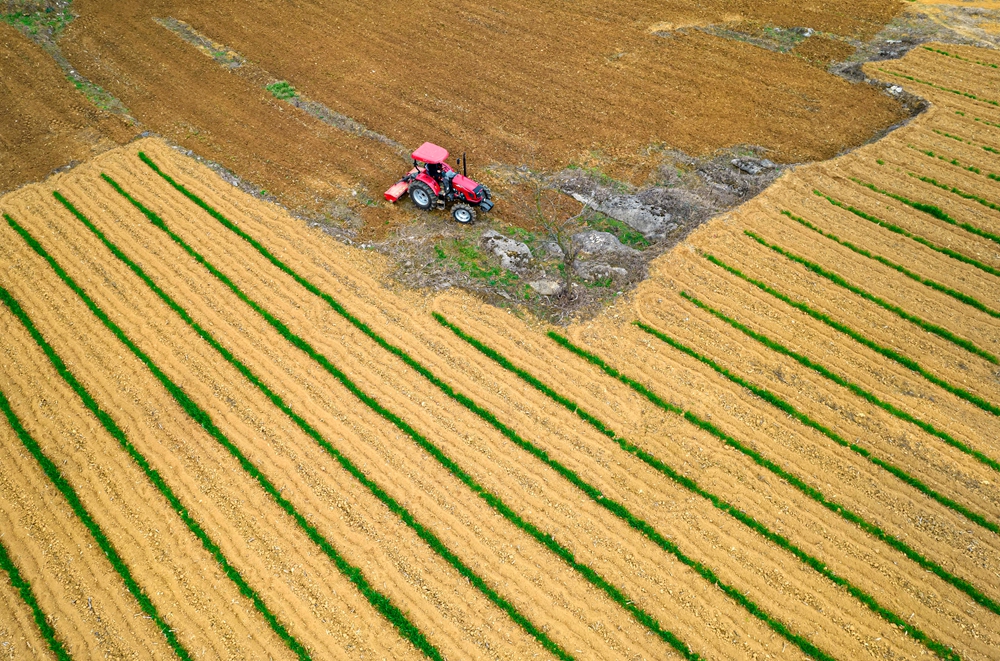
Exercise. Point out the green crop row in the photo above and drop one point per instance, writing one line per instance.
(785, 406)
(424, 533)
(819, 316)
(977, 119)
(957, 295)
(490, 498)
(992, 150)
(23, 586)
(66, 489)
(793, 480)
(953, 161)
(967, 95)
(931, 210)
(956, 163)
(161, 485)
(902, 314)
(964, 195)
(381, 603)
(777, 470)
(959, 57)
(612, 506)
(895, 229)
(693, 486)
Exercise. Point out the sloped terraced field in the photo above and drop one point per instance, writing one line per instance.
(230, 440)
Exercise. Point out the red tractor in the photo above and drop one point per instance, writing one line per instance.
(433, 184)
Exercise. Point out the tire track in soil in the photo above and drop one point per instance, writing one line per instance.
(418, 412)
(170, 563)
(20, 633)
(303, 587)
(911, 393)
(308, 443)
(862, 564)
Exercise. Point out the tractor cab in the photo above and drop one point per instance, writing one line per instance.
(432, 183)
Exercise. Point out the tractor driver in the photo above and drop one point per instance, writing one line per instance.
(434, 171)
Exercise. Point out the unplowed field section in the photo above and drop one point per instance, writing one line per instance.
(794, 456)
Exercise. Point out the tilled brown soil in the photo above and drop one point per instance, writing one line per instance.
(521, 84)
(328, 614)
(46, 122)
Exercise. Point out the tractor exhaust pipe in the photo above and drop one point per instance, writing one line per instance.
(465, 172)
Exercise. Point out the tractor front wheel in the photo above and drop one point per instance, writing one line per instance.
(422, 195)
(463, 213)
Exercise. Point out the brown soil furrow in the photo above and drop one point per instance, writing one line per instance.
(872, 371)
(494, 405)
(304, 450)
(894, 179)
(898, 214)
(76, 587)
(20, 637)
(984, 82)
(552, 516)
(892, 382)
(165, 558)
(900, 162)
(801, 201)
(299, 586)
(944, 360)
(895, 582)
(763, 317)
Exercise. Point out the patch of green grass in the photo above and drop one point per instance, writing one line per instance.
(282, 90)
(600, 283)
(468, 258)
(54, 21)
(625, 234)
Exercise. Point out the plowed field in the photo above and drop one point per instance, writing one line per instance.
(223, 436)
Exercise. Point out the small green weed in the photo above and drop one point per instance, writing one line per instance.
(52, 21)
(625, 234)
(282, 90)
(471, 261)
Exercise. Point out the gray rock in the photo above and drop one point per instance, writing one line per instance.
(550, 250)
(546, 287)
(513, 254)
(599, 243)
(649, 221)
(591, 271)
(753, 166)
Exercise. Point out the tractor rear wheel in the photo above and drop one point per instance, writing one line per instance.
(463, 213)
(422, 195)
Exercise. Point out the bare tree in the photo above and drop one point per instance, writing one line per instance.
(557, 227)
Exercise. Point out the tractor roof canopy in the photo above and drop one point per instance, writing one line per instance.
(430, 153)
